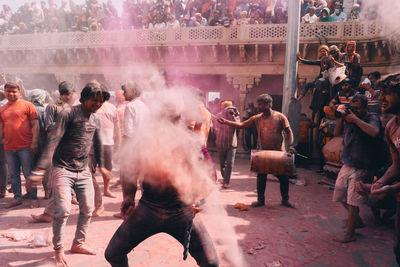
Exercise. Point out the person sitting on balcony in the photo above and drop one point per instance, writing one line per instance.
(172, 22)
(215, 19)
(339, 15)
(310, 17)
(280, 10)
(159, 23)
(321, 5)
(37, 17)
(305, 6)
(325, 15)
(185, 21)
(199, 20)
(147, 24)
(243, 20)
(354, 14)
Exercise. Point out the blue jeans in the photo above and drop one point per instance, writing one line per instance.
(15, 160)
(3, 168)
(63, 182)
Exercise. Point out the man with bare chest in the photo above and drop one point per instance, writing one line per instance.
(273, 128)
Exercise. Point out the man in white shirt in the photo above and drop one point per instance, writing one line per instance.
(110, 136)
(310, 17)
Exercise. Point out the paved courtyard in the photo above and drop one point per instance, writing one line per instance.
(293, 237)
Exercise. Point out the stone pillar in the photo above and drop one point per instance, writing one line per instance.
(243, 83)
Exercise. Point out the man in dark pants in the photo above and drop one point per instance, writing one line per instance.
(391, 104)
(272, 126)
(75, 131)
(160, 209)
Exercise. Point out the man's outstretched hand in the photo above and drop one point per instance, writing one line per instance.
(221, 120)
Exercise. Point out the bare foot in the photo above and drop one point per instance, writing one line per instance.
(345, 239)
(118, 215)
(82, 249)
(34, 204)
(109, 194)
(61, 260)
(44, 217)
(74, 201)
(98, 211)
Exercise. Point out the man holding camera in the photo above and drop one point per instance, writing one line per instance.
(361, 133)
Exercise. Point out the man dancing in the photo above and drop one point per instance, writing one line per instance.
(161, 207)
(76, 129)
(272, 126)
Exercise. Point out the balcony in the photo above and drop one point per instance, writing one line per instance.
(195, 36)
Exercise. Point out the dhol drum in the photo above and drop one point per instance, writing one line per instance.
(332, 151)
(272, 162)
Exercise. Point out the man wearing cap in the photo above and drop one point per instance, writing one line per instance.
(345, 95)
(226, 141)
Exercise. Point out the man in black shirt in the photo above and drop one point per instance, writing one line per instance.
(76, 129)
(161, 207)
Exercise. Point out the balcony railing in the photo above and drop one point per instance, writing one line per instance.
(244, 34)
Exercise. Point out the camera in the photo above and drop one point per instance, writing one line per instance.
(342, 110)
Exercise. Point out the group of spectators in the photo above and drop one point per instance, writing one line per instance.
(96, 15)
(355, 110)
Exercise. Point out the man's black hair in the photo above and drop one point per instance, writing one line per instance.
(92, 90)
(391, 81)
(266, 98)
(65, 88)
(375, 74)
(362, 99)
(11, 85)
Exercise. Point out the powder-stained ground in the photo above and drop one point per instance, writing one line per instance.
(295, 237)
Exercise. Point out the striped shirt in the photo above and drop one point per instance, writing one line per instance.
(225, 135)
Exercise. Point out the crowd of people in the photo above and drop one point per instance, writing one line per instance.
(61, 142)
(95, 15)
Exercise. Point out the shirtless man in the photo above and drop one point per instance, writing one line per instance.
(273, 128)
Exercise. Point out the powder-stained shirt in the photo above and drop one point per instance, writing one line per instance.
(392, 135)
(270, 130)
(360, 150)
(134, 116)
(16, 119)
(225, 135)
(71, 140)
(52, 112)
(108, 117)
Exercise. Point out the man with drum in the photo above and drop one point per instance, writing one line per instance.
(273, 128)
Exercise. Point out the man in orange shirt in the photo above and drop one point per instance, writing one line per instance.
(20, 128)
